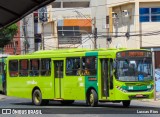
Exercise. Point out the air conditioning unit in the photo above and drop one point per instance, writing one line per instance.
(114, 15)
(125, 13)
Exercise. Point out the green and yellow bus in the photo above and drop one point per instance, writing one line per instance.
(102, 75)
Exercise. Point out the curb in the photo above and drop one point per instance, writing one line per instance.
(2, 97)
(150, 100)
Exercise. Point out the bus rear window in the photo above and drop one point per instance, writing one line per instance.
(13, 68)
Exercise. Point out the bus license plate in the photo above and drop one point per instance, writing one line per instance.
(139, 95)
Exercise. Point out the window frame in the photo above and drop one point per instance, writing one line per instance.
(16, 74)
(34, 72)
(150, 14)
(20, 70)
(47, 71)
(77, 70)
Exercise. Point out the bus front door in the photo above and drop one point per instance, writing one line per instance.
(104, 78)
(58, 75)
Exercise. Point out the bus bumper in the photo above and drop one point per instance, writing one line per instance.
(120, 95)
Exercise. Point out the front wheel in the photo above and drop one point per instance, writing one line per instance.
(92, 98)
(126, 103)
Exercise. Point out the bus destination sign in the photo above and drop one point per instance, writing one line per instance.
(133, 54)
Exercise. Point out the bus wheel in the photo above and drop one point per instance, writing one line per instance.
(37, 97)
(93, 98)
(67, 102)
(126, 103)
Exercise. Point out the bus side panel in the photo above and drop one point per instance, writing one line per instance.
(23, 87)
(90, 81)
(73, 88)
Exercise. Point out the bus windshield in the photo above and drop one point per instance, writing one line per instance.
(134, 70)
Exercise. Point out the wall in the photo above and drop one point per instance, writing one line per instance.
(131, 24)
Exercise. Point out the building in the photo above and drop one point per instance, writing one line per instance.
(71, 24)
(27, 34)
(135, 24)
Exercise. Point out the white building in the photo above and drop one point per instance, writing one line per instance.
(137, 19)
(79, 17)
(27, 34)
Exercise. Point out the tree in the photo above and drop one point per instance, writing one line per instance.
(7, 34)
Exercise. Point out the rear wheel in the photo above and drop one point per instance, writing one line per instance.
(37, 97)
(126, 103)
(92, 98)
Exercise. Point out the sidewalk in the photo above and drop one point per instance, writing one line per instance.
(152, 101)
(2, 96)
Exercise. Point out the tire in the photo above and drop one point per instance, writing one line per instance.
(126, 103)
(37, 98)
(92, 98)
(67, 102)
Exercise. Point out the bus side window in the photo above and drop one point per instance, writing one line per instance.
(73, 66)
(23, 71)
(89, 65)
(45, 67)
(34, 67)
(13, 68)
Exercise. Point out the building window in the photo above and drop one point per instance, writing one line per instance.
(69, 35)
(155, 14)
(149, 14)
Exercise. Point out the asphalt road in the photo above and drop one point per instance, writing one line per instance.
(137, 108)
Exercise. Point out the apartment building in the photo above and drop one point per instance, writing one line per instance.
(135, 24)
(71, 24)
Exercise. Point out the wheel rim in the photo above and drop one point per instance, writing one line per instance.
(37, 98)
(91, 98)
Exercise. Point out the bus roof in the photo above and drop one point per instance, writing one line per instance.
(71, 52)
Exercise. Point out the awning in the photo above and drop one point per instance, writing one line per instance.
(12, 11)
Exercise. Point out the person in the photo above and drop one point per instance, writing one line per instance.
(131, 70)
(87, 67)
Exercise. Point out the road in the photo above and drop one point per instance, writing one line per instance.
(79, 107)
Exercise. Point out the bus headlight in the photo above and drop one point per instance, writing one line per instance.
(119, 88)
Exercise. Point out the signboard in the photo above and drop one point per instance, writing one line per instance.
(132, 53)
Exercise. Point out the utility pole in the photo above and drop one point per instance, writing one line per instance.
(95, 34)
(153, 64)
(42, 36)
(25, 35)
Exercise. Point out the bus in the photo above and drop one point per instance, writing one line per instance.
(102, 75)
(3, 73)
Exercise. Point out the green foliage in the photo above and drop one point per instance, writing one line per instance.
(7, 34)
